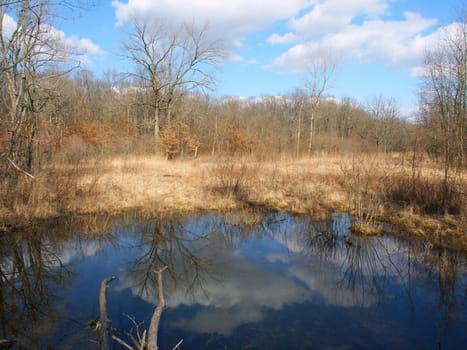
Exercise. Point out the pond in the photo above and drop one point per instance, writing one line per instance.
(234, 281)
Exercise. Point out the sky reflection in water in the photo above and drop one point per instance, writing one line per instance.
(252, 281)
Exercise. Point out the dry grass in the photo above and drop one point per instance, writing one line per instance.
(153, 184)
(370, 187)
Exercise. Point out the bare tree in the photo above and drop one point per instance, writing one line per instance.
(316, 83)
(299, 103)
(443, 104)
(32, 52)
(444, 94)
(383, 114)
(170, 61)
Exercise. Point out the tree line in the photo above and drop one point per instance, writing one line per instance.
(51, 110)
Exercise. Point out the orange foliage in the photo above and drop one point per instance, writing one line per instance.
(175, 137)
(239, 141)
(169, 140)
(93, 133)
(193, 144)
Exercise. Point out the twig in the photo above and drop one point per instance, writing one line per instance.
(143, 341)
(177, 346)
(121, 342)
(19, 169)
(135, 341)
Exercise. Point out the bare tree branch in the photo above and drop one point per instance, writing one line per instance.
(316, 84)
(168, 61)
(19, 169)
(121, 342)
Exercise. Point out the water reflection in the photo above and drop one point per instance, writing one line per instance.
(35, 269)
(166, 241)
(31, 270)
(229, 274)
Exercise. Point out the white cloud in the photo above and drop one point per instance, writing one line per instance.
(9, 25)
(231, 20)
(357, 30)
(85, 45)
(81, 50)
(235, 58)
(70, 47)
(396, 42)
(281, 39)
(332, 15)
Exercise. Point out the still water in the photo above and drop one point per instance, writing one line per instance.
(234, 281)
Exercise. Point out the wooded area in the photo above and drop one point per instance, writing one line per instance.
(52, 112)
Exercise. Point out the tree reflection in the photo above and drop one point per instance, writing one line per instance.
(369, 264)
(35, 269)
(169, 242)
(31, 273)
(223, 263)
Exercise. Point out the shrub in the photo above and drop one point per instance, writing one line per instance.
(232, 178)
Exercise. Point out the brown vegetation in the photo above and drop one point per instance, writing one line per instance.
(73, 143)
(375, 189)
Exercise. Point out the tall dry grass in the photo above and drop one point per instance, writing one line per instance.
(374, 188)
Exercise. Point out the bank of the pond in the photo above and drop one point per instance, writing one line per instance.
(374, 189)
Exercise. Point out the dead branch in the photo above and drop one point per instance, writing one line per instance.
(103, 325)
(143, 341)
(129, 335)
(121, 342)
(19, 169)
(148, 340)
(177, 346)
(156, 316)
(141, 338)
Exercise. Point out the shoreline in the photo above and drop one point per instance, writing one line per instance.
(316, 187)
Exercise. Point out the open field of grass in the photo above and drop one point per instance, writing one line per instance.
(375, 189)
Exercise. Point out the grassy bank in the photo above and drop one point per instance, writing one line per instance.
(374, 189)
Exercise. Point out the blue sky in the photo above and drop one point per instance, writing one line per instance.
(377, 45)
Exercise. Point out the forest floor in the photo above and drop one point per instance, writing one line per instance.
(396, 189)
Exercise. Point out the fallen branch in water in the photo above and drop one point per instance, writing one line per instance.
(148, 340)
(156, 316)
(102, 327)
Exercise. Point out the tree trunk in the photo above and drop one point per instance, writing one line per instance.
(299, 129)
(312, 125)
(156, 125)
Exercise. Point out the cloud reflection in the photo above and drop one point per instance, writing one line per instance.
(238, 295)
(291, 271)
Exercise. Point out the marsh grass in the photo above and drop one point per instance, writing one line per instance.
(427, 196)
(373, 188)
